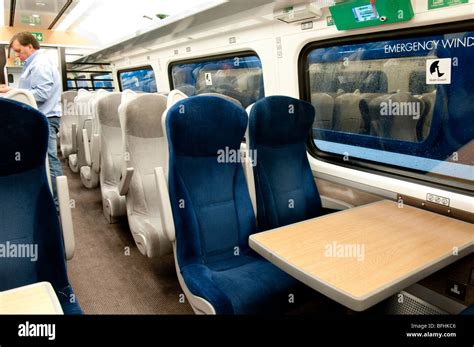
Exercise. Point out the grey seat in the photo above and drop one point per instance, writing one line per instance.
(324, 106)
(111, 156)
(83, 105)
(347, 115)
(402, 126)
(68, 122)
(91, 143)
(144, 146)
(373, 109)
(366, 98)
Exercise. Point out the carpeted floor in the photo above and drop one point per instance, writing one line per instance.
(108, 273)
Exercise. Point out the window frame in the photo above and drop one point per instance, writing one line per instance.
(143, 67)
(93, 80)
(434, 180)
(240, 54)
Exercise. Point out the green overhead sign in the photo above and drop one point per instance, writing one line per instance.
(38, 36)
(434, 4)
(354, 14)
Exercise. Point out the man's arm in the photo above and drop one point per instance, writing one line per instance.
(4, 88)
(41, 84)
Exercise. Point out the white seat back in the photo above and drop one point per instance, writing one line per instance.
(83, 105)
(145, 148)
(68, 118)
(324, 106)
(21, 95)
(91, 142)
(347, 115)
(111, 159)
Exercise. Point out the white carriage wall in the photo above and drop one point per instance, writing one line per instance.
(258, 31)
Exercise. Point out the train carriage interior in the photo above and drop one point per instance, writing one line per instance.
(291, 158)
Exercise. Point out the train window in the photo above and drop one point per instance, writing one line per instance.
(417, 83)
(403, 103)
(102, 81)
(140, 79)
(238, 76)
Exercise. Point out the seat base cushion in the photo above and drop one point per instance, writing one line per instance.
(253, 286)
(89, 178)
(148, 235)
(73, 163)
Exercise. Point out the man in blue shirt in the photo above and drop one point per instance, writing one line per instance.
(41, 78)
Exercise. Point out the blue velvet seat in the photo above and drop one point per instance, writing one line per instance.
(285, 188)
(213, 213)
(28, 216)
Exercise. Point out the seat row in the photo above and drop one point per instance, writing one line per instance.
(399, 115)
(175, 166)
(205, 202)
(30, 228)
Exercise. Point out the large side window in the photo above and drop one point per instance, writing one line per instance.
(140, 79)
(406, 103)
(238, 76)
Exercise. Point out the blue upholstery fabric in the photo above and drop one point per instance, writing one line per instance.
(286, 192)
(469, 310)
(213, 213)
(459, 97)
(27, 211)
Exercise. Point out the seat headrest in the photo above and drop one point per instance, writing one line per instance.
(235, 101)
(174, 96)
(143, 115)
(68, 96)
(203, 125)
(23, 137)
(280, 120)
(107, 109)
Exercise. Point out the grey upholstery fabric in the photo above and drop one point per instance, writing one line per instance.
(83, 106)
(90, 174)
(145, 146)
(347, 116)
(404, 125)
(68, 117)
(111, 159)
(324, 107)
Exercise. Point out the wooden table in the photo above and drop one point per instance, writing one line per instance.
(361, 256)
(38, 298)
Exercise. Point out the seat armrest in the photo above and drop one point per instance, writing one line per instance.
(74, 137)
(164, 205)
(125, 180)
(87, 149)
(95, 152)
(66, 216)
